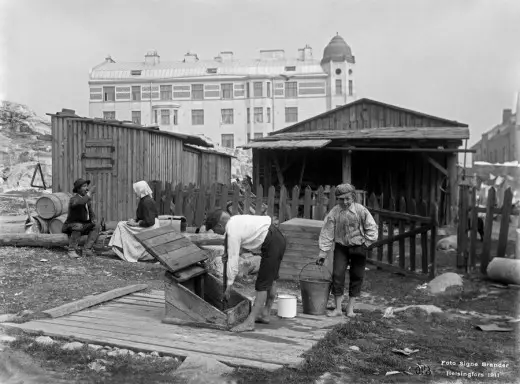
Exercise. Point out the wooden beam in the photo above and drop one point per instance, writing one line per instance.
(278, 169)
(384, 149)
(346, 158)
(436, 164)
(453, 187)
(303, 170)
(92, 300)
(393, 239)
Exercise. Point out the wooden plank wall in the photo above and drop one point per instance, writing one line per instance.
(139, 155)
(368, 115)
(191, 162)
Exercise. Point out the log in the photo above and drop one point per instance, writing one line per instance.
(92, 300)
(44, 240)
(506, 271)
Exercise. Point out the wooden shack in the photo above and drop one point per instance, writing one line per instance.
(115, 154)
(379, 148)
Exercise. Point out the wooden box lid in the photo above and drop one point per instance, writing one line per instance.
(171, 248)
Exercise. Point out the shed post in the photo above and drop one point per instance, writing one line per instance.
(346, 166)
(453, 186)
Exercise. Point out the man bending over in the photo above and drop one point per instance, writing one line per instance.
(251, 232)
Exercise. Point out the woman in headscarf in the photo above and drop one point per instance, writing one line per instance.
(123, 241)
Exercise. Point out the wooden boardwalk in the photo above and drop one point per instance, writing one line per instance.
(134, 322)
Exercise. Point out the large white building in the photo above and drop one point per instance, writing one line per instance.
(226, 99)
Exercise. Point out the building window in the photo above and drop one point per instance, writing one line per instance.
(268, 113)
(166, 92)
(291, 114)
(247, 91)
(259, 115)
(258, 89)
(350, 87)
(504, 154)
(248, 111)
(339, 89)
(175, 117)
(228, 141)
(109, 93)
(109, 115)
(227, 91)
(259, 135)
(268, 89)
(227, 116)
(136, 117)
(165, 117)
(136, 93)
(155, 116)
(197, 91)
(197, 117)
(291, 89)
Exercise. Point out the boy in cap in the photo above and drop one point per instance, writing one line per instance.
(349, 228)
(251, 232)
(81, 219)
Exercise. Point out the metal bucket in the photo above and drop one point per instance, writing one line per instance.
(315, 294)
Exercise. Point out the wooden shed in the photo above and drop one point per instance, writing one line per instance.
(114, 155)
(378, 147)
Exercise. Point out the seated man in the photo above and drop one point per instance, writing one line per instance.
(81, 219)
(251, 232)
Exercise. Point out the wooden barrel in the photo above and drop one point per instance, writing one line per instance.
(39, 226)
(56, 224)
(51, 206)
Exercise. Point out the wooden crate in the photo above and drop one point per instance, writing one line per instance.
(302, 248)
(198, 302)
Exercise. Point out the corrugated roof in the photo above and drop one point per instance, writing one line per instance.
(188, 139)
(206, 150)
(287, 144)
(454, 133)
(167, 70)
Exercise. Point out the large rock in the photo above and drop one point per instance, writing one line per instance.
(199, 369)
(442, 282)
(447, 244)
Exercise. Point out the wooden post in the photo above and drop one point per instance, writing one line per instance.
(488, 230)
(452, 185)
(474, 229)
(433, 238)
(462, 238)
(347, 167)
(507, 206)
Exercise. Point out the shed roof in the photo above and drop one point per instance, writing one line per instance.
(188, 139)
(206, 150)
(448, 122)
(287, 144)
(413, 133)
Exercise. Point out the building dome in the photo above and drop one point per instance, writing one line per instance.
(337, 50)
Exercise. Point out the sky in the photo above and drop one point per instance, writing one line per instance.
(458, 59)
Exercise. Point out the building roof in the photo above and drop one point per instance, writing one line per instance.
(409, 133)
(337, 50)
(287, 144)
(211, 151)
(369, 101)
(179, 69)
(188, 139)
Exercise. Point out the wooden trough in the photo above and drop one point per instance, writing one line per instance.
(192, 295)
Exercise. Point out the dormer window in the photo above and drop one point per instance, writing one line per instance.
(136, 72)
(290, 68)
(211, 70)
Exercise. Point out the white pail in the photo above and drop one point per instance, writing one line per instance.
(287, 306)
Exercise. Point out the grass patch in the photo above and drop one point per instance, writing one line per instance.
(74, 365)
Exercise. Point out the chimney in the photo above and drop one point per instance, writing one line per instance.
(272, 54)
(226, 55)
(307, 52)
(109, 59)
(190, 57)
(506, 116)
(301, 54)
(152, 57)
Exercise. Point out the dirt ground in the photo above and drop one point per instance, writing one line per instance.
(357, 351)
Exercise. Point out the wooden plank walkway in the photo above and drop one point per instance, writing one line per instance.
(134, 322)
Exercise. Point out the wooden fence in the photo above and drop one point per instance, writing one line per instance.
(468, 225)
(403, 223)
